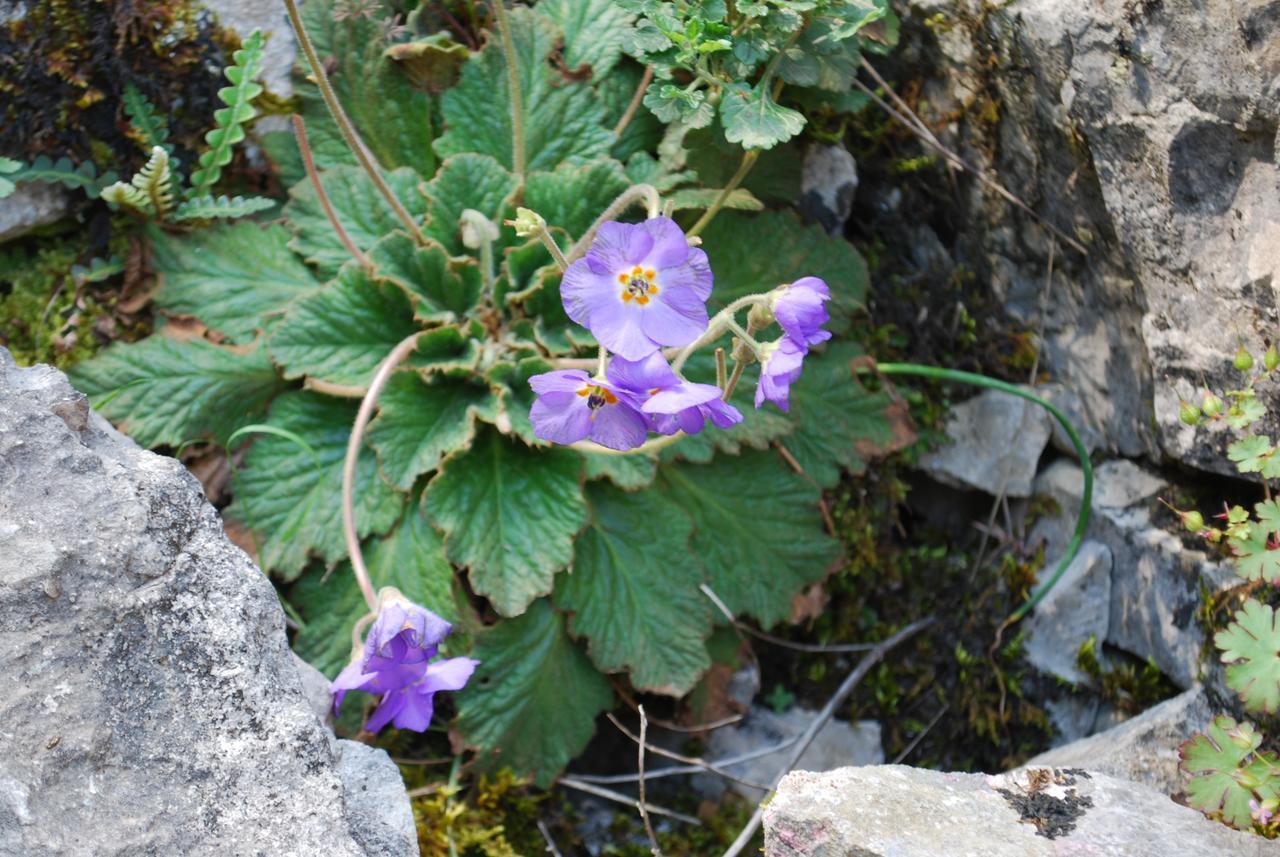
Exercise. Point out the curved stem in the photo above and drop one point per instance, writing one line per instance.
(634, 105)
(748, 161)
(367, 405)
(513, 84)
(653, 204)
(345, 125)
(716, 326)
(309, 163)
(653, 445)
(1086, 500)
(549, 241)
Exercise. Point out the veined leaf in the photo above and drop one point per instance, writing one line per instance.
(1227, 771)
(149, 128)
(229, 121)
(628, 472)
(293, 498)
(468, 181)
(1251, 644)
(1255, 558)
(533, 701)
(593, 32)
(752, 118)
(442, 289)
(511, 383)
(573, 195)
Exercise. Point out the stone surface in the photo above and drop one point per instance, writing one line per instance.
(29, 207)
(995, 444)
(152, 705)
(1143, 749)
(828, 182)
(244, 16)
(896, 811)
(838, 743)
(1077, 608)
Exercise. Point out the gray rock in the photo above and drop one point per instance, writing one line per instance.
(1143, 749)
(315, 687)
(31, 206)
(244, 16)
(837, 744)
(1077, 608)
(995, 444)
(828, 182)
(152, 705)
(896, 811)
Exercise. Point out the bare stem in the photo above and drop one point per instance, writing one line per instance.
(345, 125)
(618, 797)
(721, 374)
(654, 848)
(300, 131)
(668, 754)
(778, 641)
(748, 161)
(739, 366)
(363, 415)
(513, 84)
(646, 192)
(634, 105)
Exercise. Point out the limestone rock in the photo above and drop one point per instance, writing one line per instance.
(828, 181)
(152, 705)
(897, 811)
(995, 444)
(1077, 608)
(31, 206)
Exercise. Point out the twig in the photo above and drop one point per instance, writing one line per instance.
(778, 641)
(300, 132)
(917, 123)
(551, 843)
(897, 760)
(617, 779)
(634, 105)
(669, 725)
(668, 754)
(654, 848)
(619, 797)
(815, 726)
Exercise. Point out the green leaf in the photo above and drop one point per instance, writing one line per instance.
(229, 121)
(698, 198)
(410, 558)
(562, 120)
(775, 178)
(448, 349)
(593, 32)
(753, 119)
(837, 420)
(1268, 514)
(1244, 413)
(233, 278)
(166, 391)
(1253, 640)
(1225, 772)
(1255, 558)
(294, 498)
(757, 530)
(343, 331)
(220, 207)
(509, 513)
(628, 472)
(467, 181)
(421, 421)
(360, 208)
(755, 253)
(71, 176)
(644, 132)
(511, 383)
(442, 289)
(634, 594)
(1251, 453)
(534, 698)
(575, 194)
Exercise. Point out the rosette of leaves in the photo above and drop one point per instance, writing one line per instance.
(568, 570)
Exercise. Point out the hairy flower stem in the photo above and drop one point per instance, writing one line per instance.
(634, 105)
(646, 192)
(300, 132)
(513, 84)
(548, 240)
(1086, 500)
(345, 125)
(602, 362)
(354, 443)
(720, 322)
(748, 161)
(721, 374)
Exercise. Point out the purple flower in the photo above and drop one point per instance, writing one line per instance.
(570, 406)
(1260, 813)
(799, 308)
(672, 403)
(640, 287)
(396, 663)
(780, 366)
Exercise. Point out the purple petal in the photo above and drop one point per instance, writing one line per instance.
(619, 426)
(676, 317)
(618, 328)
(670, 247)
(780, 368)
(387, 709)
(641, 376)
(417, 710)
(722, 414)
(585, 292)
(691, 420)
(559, 381)
(449, 675)
(561, 417)
(619, 245)
(694, 274)
(352, 677)
(681, 397)
(813, 284)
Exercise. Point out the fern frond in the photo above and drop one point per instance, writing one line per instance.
(155, 180)
(148, 126)
(127, 196)
(229, 121)
(83, 177)
(210, 207)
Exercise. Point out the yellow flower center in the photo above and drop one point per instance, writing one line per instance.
(638, 285)
(597, 397)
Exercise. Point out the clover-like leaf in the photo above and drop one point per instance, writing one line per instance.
(1251, 453)
(1251, 644)
(420, 421)
(1268, 514)
(633, 593)
(1227, 771)
(1256, 559)
(561, 120)
(509, 514)
(1245, 412)
(533, 701)
(291, 495)
(167, 391)
(233, 278)
(442, 289)
(753, 119)
(754, 559)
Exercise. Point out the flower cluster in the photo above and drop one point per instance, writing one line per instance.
(640, 288)
(396, 663)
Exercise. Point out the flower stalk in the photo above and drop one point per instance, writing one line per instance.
(513, 84)
(313, 175)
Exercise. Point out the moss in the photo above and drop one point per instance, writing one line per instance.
(1130, 685)
(496, 816)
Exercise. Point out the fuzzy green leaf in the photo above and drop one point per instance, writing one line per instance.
(293, 498)
(509, 514)
(644, 132)
(468, 181)
(753, 119)
(1251, 644)
(1251, 453)
(220, 207)
(511, 383)
(757, 530)
(166, 391)
(410, 558)
(1225, 772)
(342, 332)
(360, 208)
(442, 289)
(534, 698)
(628, 472)
(574, 195)
(1268, 514)
(233, 278)
(419, 422)
(634, 594)
(229, 121)
(593, 32)
(562, 120)
(704, 197)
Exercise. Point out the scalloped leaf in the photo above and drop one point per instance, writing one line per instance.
(234, 278)
(293, 497)
(633, 593)
(753, 119)
(468, 181)
(71, 176)
(442, 289)
(628, 472)
(1256, 559)
(573, 195)
(1225, 772)
(562, 120)
(534, 699)
(230, 120)
(510, 381)
(1251, 644)
(167, 391)
(593, 32)
(509, 514)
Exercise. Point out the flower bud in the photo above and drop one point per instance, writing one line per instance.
(1272, 358)
(759, 317)
(527, 222)
(1193, 521)
(476, 229)
(1189, 414)
(1211, 405)
(1243, 359)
